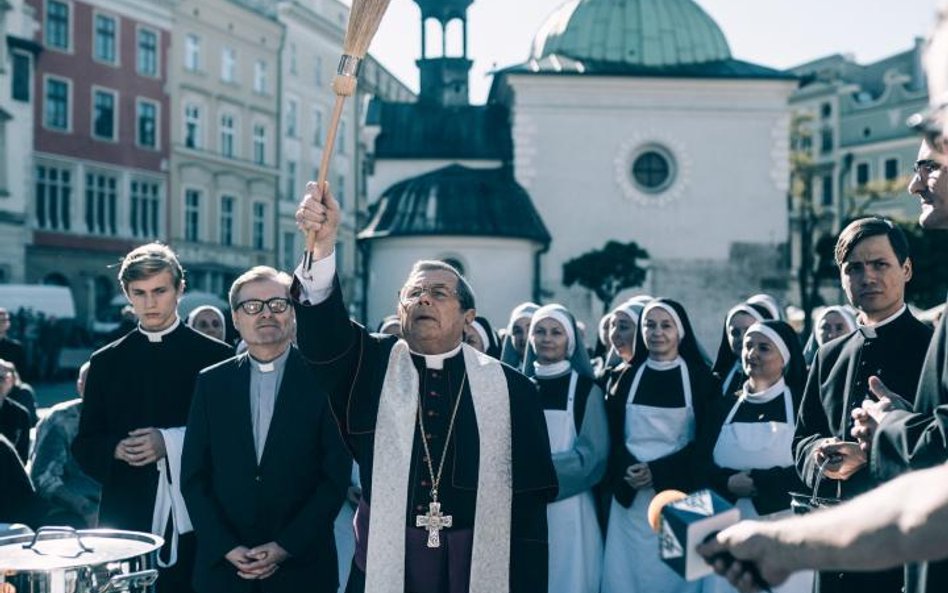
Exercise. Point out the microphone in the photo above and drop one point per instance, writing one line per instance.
(684, 521)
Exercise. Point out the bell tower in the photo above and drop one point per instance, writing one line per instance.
(444, 68)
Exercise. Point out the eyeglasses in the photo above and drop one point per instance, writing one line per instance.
(928, 123)
(927, 167)
(276, 305)
(410, 294)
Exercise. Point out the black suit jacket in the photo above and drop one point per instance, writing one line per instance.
(292, 497)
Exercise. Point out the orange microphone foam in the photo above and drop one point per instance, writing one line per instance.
(659, 502)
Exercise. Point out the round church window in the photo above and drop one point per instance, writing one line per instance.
(653, 170)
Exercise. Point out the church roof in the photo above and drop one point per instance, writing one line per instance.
(422, 130)
(638, 32)
(659, 38)
(725, 69)
(457, 200)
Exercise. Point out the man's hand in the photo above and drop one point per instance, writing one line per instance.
(752, 544)
(143, 446)
(845, 459)
(318, 214)
(266, 559)
(639, 476)
(866, 421)
(742, 485)
(239, 558)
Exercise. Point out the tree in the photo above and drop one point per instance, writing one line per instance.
(816, 227)
(607, 271)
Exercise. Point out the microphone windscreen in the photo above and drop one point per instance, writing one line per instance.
(659, 502)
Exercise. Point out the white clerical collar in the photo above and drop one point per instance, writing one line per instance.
(663, 365)
(269, 367)
(888, 320)
(435, 362)
(157, 336)
(552, 370)
(769, 394)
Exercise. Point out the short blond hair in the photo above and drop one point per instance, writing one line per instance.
(258, 274)
(148, 260)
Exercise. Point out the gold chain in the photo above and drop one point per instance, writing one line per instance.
(436, 480)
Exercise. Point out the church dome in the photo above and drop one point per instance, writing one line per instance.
(649, 33)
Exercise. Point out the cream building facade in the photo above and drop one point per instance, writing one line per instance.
(225, 133)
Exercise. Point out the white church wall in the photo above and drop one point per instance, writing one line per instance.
(728, 141)
(500, 270)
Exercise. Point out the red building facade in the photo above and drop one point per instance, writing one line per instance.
(101, 142)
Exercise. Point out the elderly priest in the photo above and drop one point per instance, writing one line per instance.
(452, 445)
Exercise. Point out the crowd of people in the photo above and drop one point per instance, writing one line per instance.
(576, 440)
(436, 455)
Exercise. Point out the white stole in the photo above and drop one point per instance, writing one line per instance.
(169, 503)
(394, 439)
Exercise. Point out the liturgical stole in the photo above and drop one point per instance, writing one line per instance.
(394, 439)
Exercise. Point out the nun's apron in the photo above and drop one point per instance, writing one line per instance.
(746, 446)
(632, 563)
(575, 538)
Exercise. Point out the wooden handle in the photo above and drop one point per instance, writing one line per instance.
(327, 157)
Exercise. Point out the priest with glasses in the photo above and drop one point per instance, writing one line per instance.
(451, 444)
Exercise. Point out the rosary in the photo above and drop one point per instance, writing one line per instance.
(434, 521)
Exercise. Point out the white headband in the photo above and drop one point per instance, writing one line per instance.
(668, 309)
(848, 317)
(633, 310)
(742, 308)
(774, 337)
(482, 333)
(198, 310)
(766, 301)
(521, 311)
(556, 313)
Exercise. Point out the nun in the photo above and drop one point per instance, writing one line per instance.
(831, 323)
(770, 303)
(727, 367)
(623, 328)
(601, 353)
(653, 407)
(745, 449)
(481, 336)
(515, 337)
(579, 440)
(208, 320)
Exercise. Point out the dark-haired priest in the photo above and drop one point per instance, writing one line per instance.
(451, 444)
(873, 258)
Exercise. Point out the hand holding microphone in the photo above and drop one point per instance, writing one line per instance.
(689, 529)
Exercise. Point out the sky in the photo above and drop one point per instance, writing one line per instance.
(777, 33)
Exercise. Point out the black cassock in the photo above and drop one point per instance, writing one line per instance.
(353, 363)
(134, 383)
(908, 440)
(839, 383)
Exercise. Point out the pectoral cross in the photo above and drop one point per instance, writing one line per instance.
(434, 522)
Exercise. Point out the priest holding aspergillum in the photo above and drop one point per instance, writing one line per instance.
(451, 444)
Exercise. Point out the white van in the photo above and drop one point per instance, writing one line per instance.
(41, 298)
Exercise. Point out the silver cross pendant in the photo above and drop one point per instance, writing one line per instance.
(434, 522)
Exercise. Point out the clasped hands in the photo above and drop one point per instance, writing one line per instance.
(638, 476)
(141, 447)
(257, 563)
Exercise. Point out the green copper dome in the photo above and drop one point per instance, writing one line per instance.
(650, 33)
